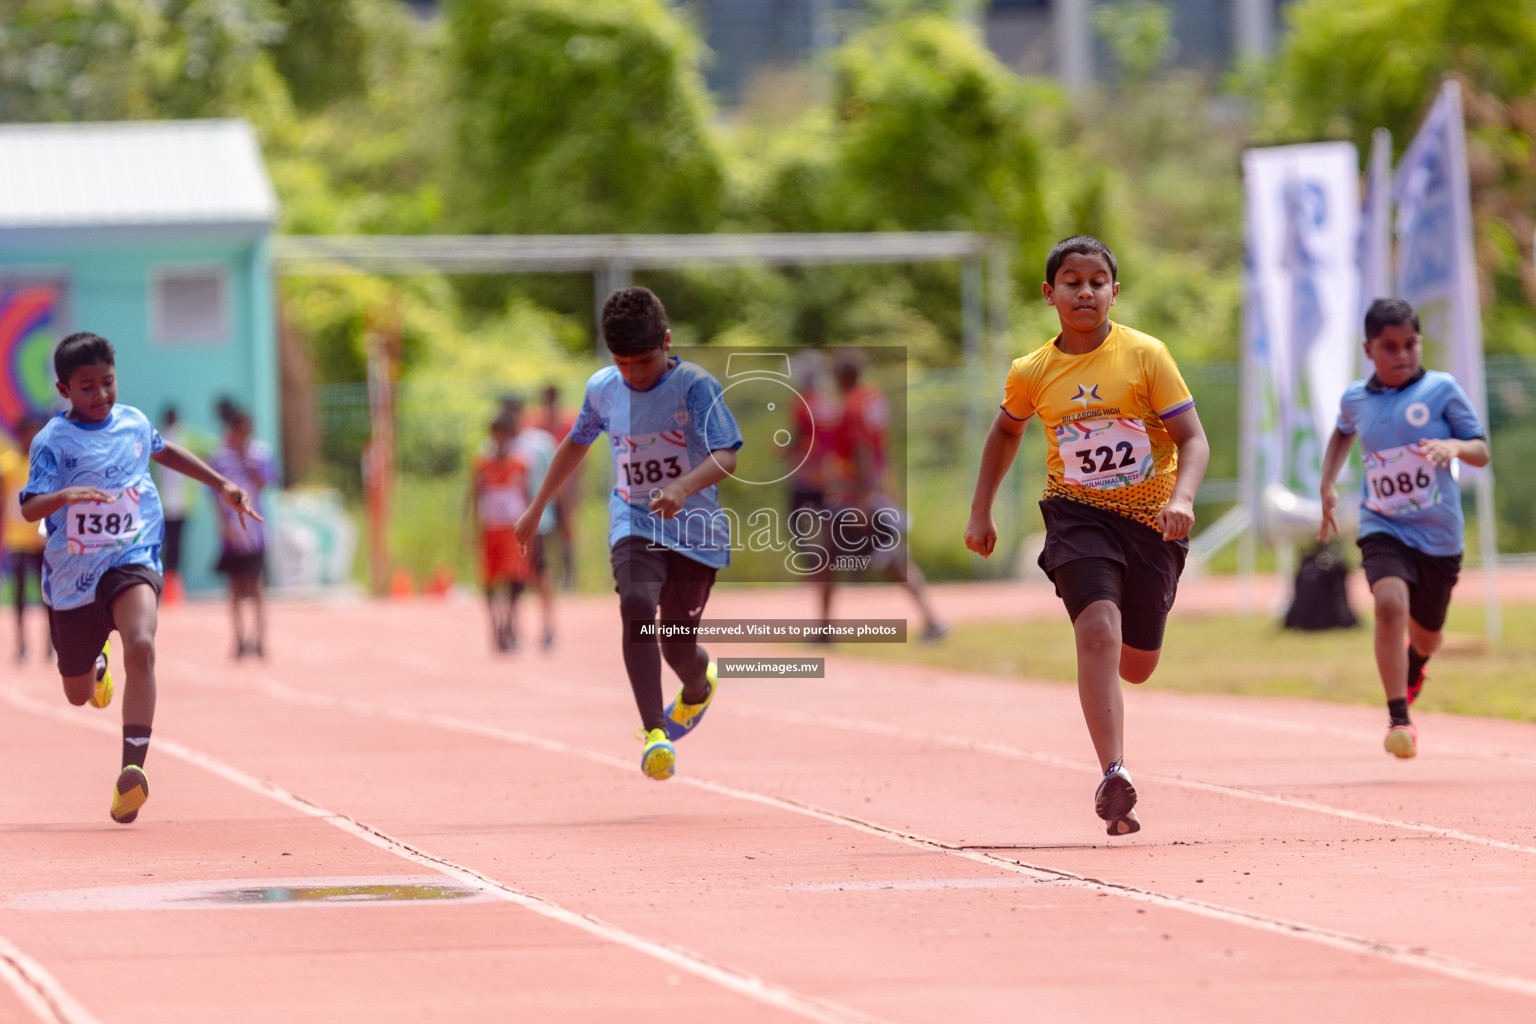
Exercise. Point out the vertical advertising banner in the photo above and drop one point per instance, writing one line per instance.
(1375, 235)
(1301, 307)
(1436, 267)
(31, 324)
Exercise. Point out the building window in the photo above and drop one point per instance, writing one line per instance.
(189, 306)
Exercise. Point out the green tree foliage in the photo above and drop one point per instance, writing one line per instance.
(321, 56)
(80, 60)
(1346, 69)
(580, 116)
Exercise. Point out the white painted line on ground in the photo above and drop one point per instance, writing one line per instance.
(1445, 966)
(683, 959)
(1039, 757)
(39, 990)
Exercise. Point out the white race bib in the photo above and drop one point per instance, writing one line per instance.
(645, 463)
(1103, 455)
(90, 527)
(1400, 481)
(500, 507)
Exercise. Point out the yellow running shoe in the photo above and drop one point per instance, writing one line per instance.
(1401, 741)
(682, 717)
(129, 794)
(659, 757)
(101, 695)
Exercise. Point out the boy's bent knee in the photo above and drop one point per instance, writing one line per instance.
(1098, 628)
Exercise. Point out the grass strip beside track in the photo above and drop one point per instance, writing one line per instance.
(1251, 655)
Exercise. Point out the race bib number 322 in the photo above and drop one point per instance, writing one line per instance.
(90, 527)
(645, 463)
(1102, 455)
(1400, 481)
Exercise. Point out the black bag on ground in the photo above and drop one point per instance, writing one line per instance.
(1321, 600)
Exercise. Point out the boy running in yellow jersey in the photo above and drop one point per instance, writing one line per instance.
(1126, 456)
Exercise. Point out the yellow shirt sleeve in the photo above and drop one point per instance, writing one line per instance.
(1018, 391)
(1166, 389)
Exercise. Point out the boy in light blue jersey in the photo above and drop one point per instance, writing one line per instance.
(672, 440)
(89, 478)
(1412, 424)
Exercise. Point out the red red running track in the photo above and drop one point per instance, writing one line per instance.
(890, 843)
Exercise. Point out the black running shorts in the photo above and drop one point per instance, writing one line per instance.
(79, 634)
(1430, 578)
(1091, 554)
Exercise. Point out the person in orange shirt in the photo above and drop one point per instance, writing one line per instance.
(498, 495)
(23, 540)
(1125, 455)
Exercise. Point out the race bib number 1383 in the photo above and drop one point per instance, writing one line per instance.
(645, 463)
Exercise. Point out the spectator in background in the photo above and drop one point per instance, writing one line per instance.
(557, 422)
(242, 555)
(536, 447)
(173, 502)
(498, 494)
(23, 540)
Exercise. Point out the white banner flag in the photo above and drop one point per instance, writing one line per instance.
(1375, 237)
(1436, 266)
(1301, 308)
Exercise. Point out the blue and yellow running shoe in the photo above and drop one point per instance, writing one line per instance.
(682, 717)
(101, 694)
(129, 794)
(659, 757)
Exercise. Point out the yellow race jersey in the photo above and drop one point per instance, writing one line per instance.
(1103, 413)
(20, 535)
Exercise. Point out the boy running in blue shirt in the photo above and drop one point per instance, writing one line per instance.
(89, 478)
(673, 440)
(1412, 423)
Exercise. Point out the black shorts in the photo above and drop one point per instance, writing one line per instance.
(241, 563)
(79, 634)
(1095, 555)
(677, 584)
(1430, 578)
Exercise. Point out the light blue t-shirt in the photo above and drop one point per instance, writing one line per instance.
(656, 436)
(1401, 494)
(537, 447)
(87, 539)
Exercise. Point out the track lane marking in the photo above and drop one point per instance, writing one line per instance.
(730, 978)
(1451, 967)
(39, 990)
(1013, 753)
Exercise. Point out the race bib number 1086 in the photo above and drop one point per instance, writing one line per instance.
(1400, 481)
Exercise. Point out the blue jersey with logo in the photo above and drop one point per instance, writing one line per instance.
(87, 539)
(1401, 496)
(656, 436)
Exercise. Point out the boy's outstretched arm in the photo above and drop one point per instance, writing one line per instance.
(175, 457)
(720, 464)
(996, 456)
(40, 506)
(1177, 517)
(1339, 444)
(1474, 452)
(567, 457)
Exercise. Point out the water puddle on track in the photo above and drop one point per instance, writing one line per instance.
(230, 893)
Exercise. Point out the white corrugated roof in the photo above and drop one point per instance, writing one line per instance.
(132, 172)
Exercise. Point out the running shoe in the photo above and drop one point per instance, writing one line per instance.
(129, 794)
(101, 694)
(934, 632)
(1115, 801)
(1415, 682)
(681, 716)
(1401, 741)
(659, 757)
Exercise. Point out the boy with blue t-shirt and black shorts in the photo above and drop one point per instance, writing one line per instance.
(1412, 424)
(673, 440)
(89, 478)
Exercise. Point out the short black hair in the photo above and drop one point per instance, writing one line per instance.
(634, 321)
(1083, 245)
(81, 349)
(1386, 313)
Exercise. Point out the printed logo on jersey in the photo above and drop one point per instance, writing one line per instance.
(1417, 414)
(680, 417)
(1087, 395)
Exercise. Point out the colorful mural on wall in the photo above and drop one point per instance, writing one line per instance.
(31, 318)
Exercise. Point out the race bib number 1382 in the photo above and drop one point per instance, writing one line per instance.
(91, 527)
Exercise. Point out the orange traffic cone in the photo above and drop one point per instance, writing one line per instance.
(442, 581)
(174, 592)
(401, 584)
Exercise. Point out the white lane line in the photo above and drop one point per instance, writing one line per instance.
(1446, 966)
(39, 990)
(730, 978)
(1039, 757)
